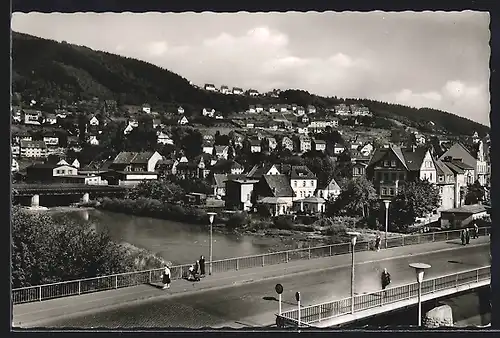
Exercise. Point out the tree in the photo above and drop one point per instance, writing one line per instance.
(414, 199)
(162, 190)
(354, 199)
(45, 250)
(475, 193)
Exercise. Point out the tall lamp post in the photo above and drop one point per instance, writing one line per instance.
(211, 216)
(387, 203)
(419, 271)
(354, 235)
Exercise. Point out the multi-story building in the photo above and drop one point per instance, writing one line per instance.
(477, 160)
(302, 180)
(319, 145)
(304, 144)
(35, 149)
(239, 193)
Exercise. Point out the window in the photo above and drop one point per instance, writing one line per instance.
(295, 184)
(440, 190)
(303, 183)
(321, 193)
(393, 163)
(430, 175)
(312, 183)
(384, 191)
(248, 197)
(441, 178)
(391, 191)
(386, 163)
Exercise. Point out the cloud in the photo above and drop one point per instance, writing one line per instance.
(157, 48)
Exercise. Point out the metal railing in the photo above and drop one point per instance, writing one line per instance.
(324, 311)
(121, 280)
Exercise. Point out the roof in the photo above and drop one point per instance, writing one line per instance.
(301, 172)
(273, 200)
(32, 144)
(317, 141)
(126, 157)
(226, 165)
(441, 168)
(311, 199)
(279, 185)
(220, 179)
(467, 209)
(381, 152)
(332, 185)
(414, 158)
(259, 169)
(220, 149)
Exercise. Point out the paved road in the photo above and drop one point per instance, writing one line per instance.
(253, 304)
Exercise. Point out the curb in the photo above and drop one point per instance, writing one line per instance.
(303, 271)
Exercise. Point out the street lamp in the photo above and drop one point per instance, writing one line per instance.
(419, 271)
(386, 202)
(211, 216)
(354, 235)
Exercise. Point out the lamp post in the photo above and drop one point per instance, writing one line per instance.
(211, 216)
(419, 271)
(386, 202)
(354, 235)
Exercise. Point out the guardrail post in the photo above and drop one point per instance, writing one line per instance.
(403, 237)
(456, 279)
(446, 235)
(477, 276)
(309, 252)
(262, 260)
(418, 237)
(116, 281)
(40, 294)
(237, 264)
(287, 257)
(150, 277)
(330, 250)
(409, 291)
(79, 287)
(433, 237)
(434, 285)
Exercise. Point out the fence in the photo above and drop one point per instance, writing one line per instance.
(116, 281)
(320, 312)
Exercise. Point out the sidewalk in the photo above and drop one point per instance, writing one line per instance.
(93, 302)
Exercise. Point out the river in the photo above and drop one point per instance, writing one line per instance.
(177, 242)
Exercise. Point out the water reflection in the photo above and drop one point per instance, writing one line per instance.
(174, 241)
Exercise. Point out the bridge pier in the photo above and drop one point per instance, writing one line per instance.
(35, 201)
(85, 198)
(439, 317)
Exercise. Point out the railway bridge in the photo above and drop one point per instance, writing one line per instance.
(62, 193)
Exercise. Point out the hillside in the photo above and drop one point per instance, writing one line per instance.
(47, 70)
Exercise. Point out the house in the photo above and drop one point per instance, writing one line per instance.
(271, 143)
(283, 108)
(210, 87)
(183, 121)
(359, 168)
(366, 149)
(274, 193)
(251, 108)
(130, 168)
(253, 92)
(146, 108)
(319, 145)
(30, 116)
(35, 149)
(338, 148)
(302, 180)
(304, 144)
(51, 140)
(239, 193)
(304, 119)
(318, 126)
(237, 91)
(75, 163)
(224, 90)
(128, 129)
(301, 110)
(163, 138)
(463, 175)
(15, 150)
(156, 123)
(446, 184)
(218, 182)
(208, 147)
(224, 166)
(199, 167)
(167, 166)
(259, 108)
(180, 110)
(287, 143)
(273, 109)
(294, 107)
(458, 218)
(219, 116)
(360, 110)
(50, 119)
(14, 167)
(94, 121)
(207, 112)
(255, 146)
(342, 110)
(260, 170)
(330, 190)
(93, 140)
(221, 152)
(311, 109)
(47, 172)
(302, 129)
(476, 160)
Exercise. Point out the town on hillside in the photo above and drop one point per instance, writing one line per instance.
(284, 158)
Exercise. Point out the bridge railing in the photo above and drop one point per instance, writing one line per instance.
(116, 281)
(324, 311)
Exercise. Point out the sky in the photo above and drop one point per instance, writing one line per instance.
(427, 59)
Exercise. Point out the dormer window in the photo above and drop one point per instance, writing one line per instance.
(386, 163)
(393, 163)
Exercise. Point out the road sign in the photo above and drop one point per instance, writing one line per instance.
(297, 296)
(279, 289)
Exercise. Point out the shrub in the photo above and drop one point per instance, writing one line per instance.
(283, 222)
(237, 220)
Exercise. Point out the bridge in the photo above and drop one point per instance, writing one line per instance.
(240, 292)
(21, 191)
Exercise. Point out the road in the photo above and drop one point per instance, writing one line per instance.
(254, 304)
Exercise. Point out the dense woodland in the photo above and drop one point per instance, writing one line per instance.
(63, 73)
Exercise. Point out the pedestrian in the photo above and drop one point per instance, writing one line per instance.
(386, 279)
(476, 231)
(377, 242)
(462, 236)
(467, 236)
(196, 267)
(166, 277)
(202, 265)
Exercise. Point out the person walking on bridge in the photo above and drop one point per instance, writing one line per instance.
(476, 231)
(467, 236)
(386, 278)
(166, 277)
(377, 242)
(462, 236)
(202, 266)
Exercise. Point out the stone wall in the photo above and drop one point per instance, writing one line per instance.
(439, 317)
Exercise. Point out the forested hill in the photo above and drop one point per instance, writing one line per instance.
(62, 73)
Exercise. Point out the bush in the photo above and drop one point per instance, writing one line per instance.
(283, 222)
(237, 220)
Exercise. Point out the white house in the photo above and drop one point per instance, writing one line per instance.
(32, 116)
(51, 140)
(76, 163)
(207, 112)
(163, 138)
(50, 119)
(35, 149)
(366, 149)
(183, 121)
(93, 140)
(224, 90)
(146, 109)
(273, 109)
(219, 116)
(303, 181)
(251, 109)
(330, 190)
(180, 110)
(94, 121)
(14, 166)
(128, 129)
(237, 91)
(208, 148)
(253, 92)
(259, 108)
(311, 109)
(210, 87)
